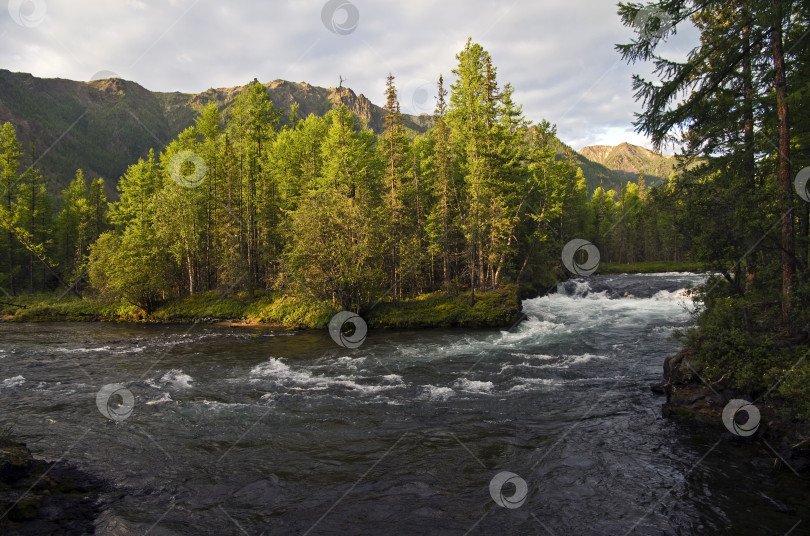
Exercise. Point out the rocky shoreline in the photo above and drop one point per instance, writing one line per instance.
(44, 498)
(688, 397)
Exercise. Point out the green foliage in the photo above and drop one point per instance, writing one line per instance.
(65, 306)
(200, 306)
(129, 267)
(491, 309)
(81, 221)
(736, 343)
(291, 311)
(334, 257)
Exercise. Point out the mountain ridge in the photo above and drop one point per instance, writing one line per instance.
(104, 125)
(627, 162)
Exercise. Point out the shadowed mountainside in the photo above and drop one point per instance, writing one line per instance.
(103, 126)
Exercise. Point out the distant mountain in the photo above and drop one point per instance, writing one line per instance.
(613, 166)
(103, 126)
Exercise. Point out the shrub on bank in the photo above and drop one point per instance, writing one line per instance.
(738, 344)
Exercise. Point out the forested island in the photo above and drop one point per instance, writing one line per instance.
(262, 215)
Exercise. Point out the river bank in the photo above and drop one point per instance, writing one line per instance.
(492, 309)
(496, 308)
(688, 397)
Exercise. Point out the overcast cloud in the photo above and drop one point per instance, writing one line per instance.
(558, 55)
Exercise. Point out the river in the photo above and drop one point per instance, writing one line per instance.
(253, 431)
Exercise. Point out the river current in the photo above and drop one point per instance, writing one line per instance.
(547, 428)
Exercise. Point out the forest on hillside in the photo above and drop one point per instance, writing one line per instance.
(324, 208)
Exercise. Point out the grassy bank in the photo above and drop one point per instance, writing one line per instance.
(656, 267)
(497, 308)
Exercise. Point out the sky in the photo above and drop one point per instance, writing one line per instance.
(558, 55)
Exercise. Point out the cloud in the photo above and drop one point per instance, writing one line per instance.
(559, 56)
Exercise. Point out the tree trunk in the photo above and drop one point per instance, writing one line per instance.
(785, 185)
(472, 275)
(190, 275)
(11, 263)
(749, 163)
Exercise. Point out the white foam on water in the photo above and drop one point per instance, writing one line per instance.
(174, 379)
(473, 386)
(393, 378)
(680, 296)
(212, 404)
(557, 362)
(166, 397)
(279, 372)
(561, 315)
(434, 392)
(532, 384)
(177, 378)
(454, 346)
(540, 357)
(85, 350)
(275, 369)
(533, 327)
(577, 360)
(109, 349)
(352, 363)
(16, 381)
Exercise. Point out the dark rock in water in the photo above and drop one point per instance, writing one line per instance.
(689, 397)
(15, 461)
(658, 388)
(41, 498)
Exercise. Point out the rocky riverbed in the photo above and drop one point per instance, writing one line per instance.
(43, 498)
